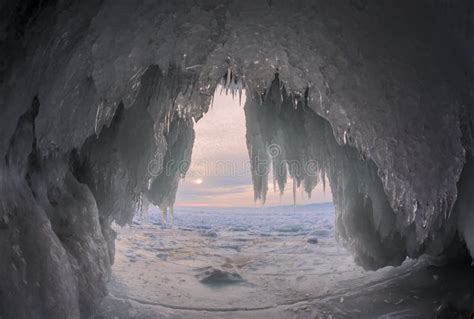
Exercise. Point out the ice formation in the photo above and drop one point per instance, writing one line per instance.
(98, 99)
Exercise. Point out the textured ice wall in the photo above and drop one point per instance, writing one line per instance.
(299, 145)
(385, 112)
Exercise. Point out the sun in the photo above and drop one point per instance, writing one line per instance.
(198, 181)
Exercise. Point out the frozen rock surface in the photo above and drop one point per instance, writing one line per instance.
(98, 99)
(216, 277)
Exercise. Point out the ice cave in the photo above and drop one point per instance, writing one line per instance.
(99, 101)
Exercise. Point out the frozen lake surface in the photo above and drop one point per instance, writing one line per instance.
(271, 262)
(265, 221)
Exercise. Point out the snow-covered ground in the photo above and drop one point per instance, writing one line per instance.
(272, 262)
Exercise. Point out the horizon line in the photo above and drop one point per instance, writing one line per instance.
(256, 206)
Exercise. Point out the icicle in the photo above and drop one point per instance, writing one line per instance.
(98, 116)
(164, 216)
(274, 178)
(140, 205)
(345, 137)
(212, 99)
(323, 179)
(172, 215)
(232, 88)
(294, 191)
(229, 74)
(168, 117)
(240, 91)
(227, 82)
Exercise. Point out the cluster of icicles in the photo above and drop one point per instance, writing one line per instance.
(233, 83)
(285, 134)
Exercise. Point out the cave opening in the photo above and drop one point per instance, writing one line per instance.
(222, 243)
(186, 256)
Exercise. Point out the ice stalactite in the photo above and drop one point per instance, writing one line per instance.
(233, 80)
(276, 137)
(68, 201)
(164, 185)
(146, 146)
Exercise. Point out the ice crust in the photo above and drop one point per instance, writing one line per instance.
(382, 108)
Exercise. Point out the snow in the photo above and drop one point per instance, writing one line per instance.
(285, 220)
(256, 257)
(264, 263)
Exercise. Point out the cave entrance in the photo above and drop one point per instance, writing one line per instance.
(219, 174)
(226, 251)
(226, 256)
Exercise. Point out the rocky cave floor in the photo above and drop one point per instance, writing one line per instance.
(269, 263)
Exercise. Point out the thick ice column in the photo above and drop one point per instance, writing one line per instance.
(54, 257)
(176, 162)
(257, 148)
(38, 279)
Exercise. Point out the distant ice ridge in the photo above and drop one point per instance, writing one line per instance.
(313, 219)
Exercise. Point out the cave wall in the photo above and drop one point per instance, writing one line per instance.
(289, 142)
(378, 92)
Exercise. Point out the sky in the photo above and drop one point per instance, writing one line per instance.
(219, 175)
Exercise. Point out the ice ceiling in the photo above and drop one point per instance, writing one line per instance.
(96, 95)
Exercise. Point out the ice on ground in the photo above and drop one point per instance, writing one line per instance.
(264, 263)
(256, 257)
(217, 277)
(284, 220)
